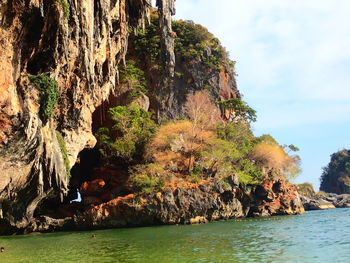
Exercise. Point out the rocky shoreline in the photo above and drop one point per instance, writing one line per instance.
(210, 201)
(326, 201)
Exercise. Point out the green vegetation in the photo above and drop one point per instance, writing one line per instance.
(63, 152)
(48, 95)
(147, 42)
(193, 149)
(192, 42)
(132, 129)
(306, 189)
(65, 6)
(336, 175)
(240, 108)
(196, 148)
(134, 78)
(200, 148)
(147, 178)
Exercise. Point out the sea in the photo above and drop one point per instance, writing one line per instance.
(315, 236)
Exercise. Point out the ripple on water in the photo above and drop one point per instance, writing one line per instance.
(318, 236)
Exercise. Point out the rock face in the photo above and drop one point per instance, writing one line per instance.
(77, 43)
(212, 200)
(201, 64)
(80, 44)
(276, 198)
(326, 201)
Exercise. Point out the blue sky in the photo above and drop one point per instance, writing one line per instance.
(293, 65)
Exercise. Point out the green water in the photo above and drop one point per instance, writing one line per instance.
(319, 236)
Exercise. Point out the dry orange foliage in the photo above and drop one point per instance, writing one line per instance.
(201, 110)
(273, 158)
(175, 144)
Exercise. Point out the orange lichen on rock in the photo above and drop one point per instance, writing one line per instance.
(277, 197)
(93, 188)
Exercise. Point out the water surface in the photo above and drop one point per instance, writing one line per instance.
(318, 236)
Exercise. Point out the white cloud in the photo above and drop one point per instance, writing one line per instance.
(293, 61)
(302, 43)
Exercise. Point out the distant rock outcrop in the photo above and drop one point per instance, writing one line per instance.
(321, 200)
(336, 175)
(325, 201)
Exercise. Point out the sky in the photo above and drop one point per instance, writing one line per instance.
(293, 66)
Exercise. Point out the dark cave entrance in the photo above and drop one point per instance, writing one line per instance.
(88, 160)
(91, 178)
(91, 182)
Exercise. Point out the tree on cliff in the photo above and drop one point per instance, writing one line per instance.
(177, 143)
(273, 160)
(125, 140)
(336, 175)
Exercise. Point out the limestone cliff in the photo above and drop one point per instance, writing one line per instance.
(77, 43)
(68, 51)
(201, 64)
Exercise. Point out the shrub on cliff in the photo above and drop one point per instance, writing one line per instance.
(192, 41)
(133, 78)
(147, 178)
(306, 189)
(178, 144)
(274, 161)
(238, 133)
(48, 88)
(147, 42)
(132, 129)
(335, 177)
(201, 110)
(240, 109)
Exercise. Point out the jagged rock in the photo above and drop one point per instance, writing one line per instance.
(306, 189)
(166, 9)
(49, 224)
(93, 188)
(81, 50)
(275, 198)
(316, 204)
(212, 200)
(326, 201)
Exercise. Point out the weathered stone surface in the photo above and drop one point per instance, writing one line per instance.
(94, 187)
(82, 53)
(212, 200)
(163, 85)
(326, 201)
(49, 224)
(275, 198)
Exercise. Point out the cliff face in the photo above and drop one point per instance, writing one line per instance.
(201, 64)
(77, 43)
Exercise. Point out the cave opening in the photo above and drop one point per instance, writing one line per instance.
(95, 181)
(92, 181)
